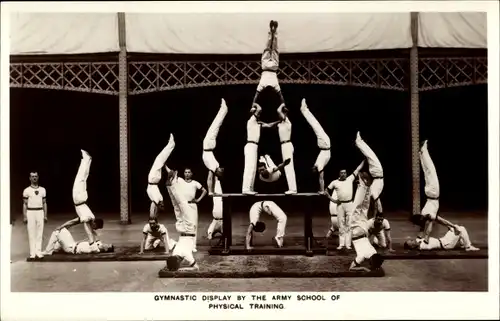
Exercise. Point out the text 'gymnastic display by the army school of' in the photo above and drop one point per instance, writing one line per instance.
(250, 183)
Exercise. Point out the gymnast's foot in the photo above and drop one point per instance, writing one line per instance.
(249, 192)
(290, 192)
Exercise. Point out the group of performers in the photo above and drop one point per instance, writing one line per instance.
(349, 215)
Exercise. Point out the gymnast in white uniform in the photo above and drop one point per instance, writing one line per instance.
(209, 143)
(323, 144)
(251, 148)
(285, 135)
(271, 208)
(154, 178)
(457, 237)
(270, 64)
(374, 168)
(61, 240)
(268, 171)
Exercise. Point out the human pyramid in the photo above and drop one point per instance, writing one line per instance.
(349, 216)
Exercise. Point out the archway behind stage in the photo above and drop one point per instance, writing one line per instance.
(49, 127)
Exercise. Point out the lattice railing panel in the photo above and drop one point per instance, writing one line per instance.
(155, 76)
(438, 73)
(295, 72)
(335, 72)
(105, 77)
(97, 77)
(144, 77)
(393, 73)
(171, 75)
(242, 72)
(364, 73)
(204, 74)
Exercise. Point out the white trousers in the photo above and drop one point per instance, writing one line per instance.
(154, 193)
(154, 176)
(322, 160)
(250, 167)
(378, 239)
(84, 213)
(35, 231)
(268, 79)
(364, 249)
(287, 152)
(281, 226)
(450, 239)
(430, 208)
(175, 205)
(189, 213)
(209, 160)
(80, 185)
(374, 167)
(184, 248)
(430, 174)
(323, 139)
(210, 140)
(153, 242)
(344, 213)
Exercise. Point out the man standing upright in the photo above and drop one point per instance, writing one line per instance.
(343, 188)
(35, 214)
(251, 149)
(188, 188)
(270, 63)
(285, 135)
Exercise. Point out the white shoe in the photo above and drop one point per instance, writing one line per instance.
(290, 192)
(471, 248)
(348, 248)
(249, 193)
(195, 250)
(279, 241)
(358, 136)
(340, 247)
(303, 105)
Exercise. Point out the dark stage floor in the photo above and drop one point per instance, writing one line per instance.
(413, 275)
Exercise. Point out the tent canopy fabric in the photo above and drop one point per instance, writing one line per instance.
(243, 33)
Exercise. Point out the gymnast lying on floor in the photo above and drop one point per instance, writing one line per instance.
(62, 241)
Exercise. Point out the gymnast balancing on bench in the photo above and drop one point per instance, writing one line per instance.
(80, 197)
(154, 178)
(215, 172)
(457, 237)
(272, 209)
(251, 148)
(270, 64)
(61, 240)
